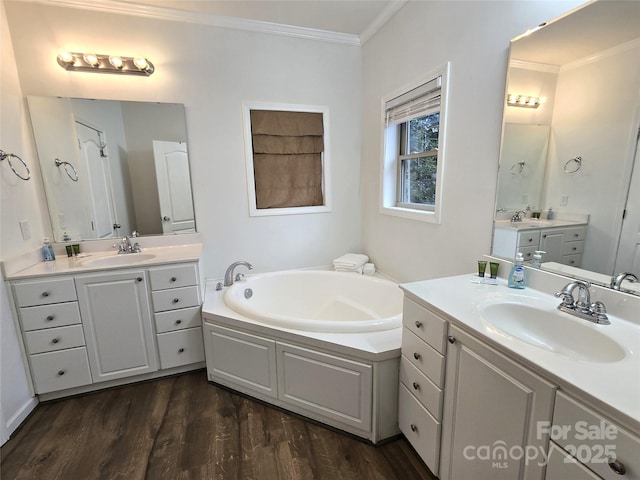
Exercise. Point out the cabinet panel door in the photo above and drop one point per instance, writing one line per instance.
(330, 386)
(117, 324)
(552, 243)
(492, 405)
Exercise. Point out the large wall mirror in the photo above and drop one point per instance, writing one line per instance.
(585, 68)
(110, 168)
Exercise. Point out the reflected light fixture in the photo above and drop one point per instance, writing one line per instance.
(97, 63)
(526, 101)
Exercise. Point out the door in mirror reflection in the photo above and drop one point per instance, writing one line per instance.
(174, 186)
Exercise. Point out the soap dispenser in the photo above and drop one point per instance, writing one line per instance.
(517, 273)
(537, 258)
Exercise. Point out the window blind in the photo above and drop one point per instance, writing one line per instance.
(415, 103)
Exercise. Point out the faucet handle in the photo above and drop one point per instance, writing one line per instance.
(599, 311)
(567, 298)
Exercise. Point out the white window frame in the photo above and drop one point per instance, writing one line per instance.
(390, 162)
(248, 148)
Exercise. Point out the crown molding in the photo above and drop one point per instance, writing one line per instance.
(535, 66)
(635, 43)
(389, 11)
(161, 13)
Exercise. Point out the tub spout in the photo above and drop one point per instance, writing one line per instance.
(228, 275)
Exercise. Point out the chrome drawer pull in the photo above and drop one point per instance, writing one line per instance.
(173, 279)
(55, 340)
(451, 339)
(416, 386)
(60, 372)
(176, 300)
(50, 317)
(139, 279)
(181, 350)
(178, 322)
(416, 355)
(617, 467)
(414, 428)
(418, 324)
(45, 294)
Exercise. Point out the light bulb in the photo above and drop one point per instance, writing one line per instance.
(141, 63)
(91, 59)
(66, 58)
(116, 61)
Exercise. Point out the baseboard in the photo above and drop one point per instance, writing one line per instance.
(21, 415)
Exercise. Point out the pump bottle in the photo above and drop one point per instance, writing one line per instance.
(517, 273)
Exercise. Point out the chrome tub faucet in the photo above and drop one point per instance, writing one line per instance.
(228, 275)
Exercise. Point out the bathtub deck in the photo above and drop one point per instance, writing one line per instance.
(183, 427)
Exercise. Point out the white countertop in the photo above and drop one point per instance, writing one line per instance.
(74, 265)
(536, 224)
(373, 346)
(614, 385)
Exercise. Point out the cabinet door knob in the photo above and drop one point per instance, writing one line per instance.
(50, 317)
(178, 322)
(617, 467)
(416, 355)
(173, 279)
(418, 324)
(181, 350)
(414, 428)
(176, 300)
(60, 372)
(55, 340)
(416, 386)
(45, 294)
(139, 279)
(451, 339)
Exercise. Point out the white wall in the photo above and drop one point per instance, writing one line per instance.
(474, 36)
(212, 71)
(19, 201)
(601, 129)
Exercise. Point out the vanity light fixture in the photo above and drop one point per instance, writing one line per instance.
(96, 63)
(526, 101)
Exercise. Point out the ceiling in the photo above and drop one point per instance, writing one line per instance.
(585, 32)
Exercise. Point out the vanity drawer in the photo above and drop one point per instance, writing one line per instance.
(175, 298)
(529, 239)
(573, 260)
(563, 466)
(51, 339)
(181, 347)
(173, 276)
(426, 325)
(60, 370)
(578, 419)
(527, 252)
(178, 319)
(425, 358)
(575, 233)
(421, 387)
(42, 292)
(420, 428)
(47, 316)
(572, 248)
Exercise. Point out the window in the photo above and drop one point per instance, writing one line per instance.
(287, 159)
(412, 164)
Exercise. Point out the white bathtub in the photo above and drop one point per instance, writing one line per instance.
(319, 301)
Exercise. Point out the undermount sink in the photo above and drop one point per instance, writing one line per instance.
(116, 260)
(552, 330)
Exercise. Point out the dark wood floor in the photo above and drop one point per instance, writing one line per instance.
(183, 427)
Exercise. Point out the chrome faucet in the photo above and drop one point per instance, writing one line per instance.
(126, 246)
(616, 281)
(228, 275)
(595, 312)
(517, 216)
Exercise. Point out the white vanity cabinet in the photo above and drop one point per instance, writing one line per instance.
(561, 244)
(422, 367)
(176, 304)
(118, 327)
(600, 445)
(52, 333)
(491, 401)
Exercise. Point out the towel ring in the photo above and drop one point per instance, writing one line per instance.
(578, 166)
(517, 166)
(7, 157)
(67, 165)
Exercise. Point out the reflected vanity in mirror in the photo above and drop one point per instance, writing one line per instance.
(110, 168)
(576, 151)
